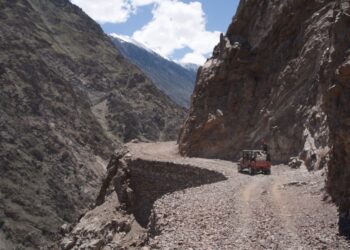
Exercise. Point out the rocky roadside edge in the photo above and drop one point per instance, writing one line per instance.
(122, 217)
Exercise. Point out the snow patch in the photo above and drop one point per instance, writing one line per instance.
(128, 39)
(190, 66)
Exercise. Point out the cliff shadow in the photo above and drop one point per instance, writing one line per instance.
(150, 180)
(344, 225)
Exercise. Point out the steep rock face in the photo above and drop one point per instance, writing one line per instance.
(279, 74)
(65, 92)
(173, 79)
(263, 83)
(337, 74)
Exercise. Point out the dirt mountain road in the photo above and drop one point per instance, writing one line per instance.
(285, 210)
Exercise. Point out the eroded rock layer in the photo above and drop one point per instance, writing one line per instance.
(280, 73)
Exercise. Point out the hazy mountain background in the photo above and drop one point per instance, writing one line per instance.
(175, 80)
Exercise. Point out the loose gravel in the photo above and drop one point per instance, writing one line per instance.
(286, 210)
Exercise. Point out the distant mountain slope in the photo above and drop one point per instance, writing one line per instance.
(66, 96)
(177, 81)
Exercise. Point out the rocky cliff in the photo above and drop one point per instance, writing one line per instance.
(336, 75)
(123, 217)
(174, 80)
(67, 98)
(281, 74)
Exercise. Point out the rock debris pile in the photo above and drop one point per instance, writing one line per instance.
(124, 206)
(226, 210)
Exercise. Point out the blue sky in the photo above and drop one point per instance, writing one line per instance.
(181, 30)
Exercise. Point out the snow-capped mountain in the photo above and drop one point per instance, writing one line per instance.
(175, 80)
(190, 66)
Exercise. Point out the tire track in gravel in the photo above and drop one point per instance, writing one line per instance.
(265, 227)
(260, 223)
(283, 211)
(264, 220)
(244, 212)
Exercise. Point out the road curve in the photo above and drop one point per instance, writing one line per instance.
(285, 210)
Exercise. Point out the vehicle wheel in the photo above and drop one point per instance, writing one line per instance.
(268, 172)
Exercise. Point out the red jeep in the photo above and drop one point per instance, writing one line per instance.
(255, 161)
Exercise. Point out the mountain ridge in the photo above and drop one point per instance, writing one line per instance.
(68, 99)
(171, 78)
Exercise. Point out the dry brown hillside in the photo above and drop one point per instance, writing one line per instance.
(67, 99)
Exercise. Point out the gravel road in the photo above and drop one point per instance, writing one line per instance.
(286, 210)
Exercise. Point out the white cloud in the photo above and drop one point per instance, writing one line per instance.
(106, 11)
(194, 57)
(175, 25)
(137, 3)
